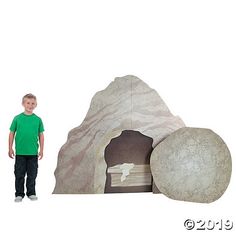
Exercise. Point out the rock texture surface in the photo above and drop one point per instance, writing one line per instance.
(192, 164)
(126, 104)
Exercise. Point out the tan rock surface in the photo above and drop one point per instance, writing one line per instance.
(126, 104)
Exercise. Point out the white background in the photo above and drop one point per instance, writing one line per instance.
(65, 51)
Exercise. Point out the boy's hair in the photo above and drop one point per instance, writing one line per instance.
(30, 96)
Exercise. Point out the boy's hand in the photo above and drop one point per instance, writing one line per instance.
(40, 156)
(11, 153)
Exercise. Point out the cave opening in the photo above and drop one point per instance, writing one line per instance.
(128, 163)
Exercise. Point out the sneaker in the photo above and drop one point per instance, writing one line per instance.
(18, 199)
(33, 197)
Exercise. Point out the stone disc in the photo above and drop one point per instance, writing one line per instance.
(192, 164)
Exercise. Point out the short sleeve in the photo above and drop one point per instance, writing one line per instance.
(41, 127)
(13, 126)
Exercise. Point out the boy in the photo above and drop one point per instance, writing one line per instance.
(27, 128)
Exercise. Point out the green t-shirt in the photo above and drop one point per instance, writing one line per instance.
(27, 128)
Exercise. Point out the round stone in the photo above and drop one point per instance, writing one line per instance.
(192, 164)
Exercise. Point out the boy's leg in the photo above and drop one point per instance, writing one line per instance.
(32, 170)
(20, 171)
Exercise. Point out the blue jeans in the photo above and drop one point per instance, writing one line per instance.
(25, 165)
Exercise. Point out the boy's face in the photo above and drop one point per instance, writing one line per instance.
(29, 104)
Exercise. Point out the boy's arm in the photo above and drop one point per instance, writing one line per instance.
(11, 153)
(41, 145)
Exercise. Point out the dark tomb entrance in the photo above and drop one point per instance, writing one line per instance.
(128, 163)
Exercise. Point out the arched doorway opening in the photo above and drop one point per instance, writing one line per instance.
(128, 163)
